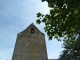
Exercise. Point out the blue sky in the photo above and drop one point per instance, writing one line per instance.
(15, 16)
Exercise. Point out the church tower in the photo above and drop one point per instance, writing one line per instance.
(30, 45)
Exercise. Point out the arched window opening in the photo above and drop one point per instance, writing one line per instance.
(32, 30)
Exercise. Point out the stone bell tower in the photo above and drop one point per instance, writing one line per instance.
(30, 45)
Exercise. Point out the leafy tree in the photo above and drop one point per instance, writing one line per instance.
(63, 18)
(71, 49)
(63, 23)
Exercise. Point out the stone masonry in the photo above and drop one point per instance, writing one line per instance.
(30, 45)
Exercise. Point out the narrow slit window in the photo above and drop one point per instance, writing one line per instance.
(32, 30)
(21, 35)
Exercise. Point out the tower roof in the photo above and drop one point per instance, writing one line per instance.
(29, 28)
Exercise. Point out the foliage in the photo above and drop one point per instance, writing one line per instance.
(71, 49)
(63, 21)
(63, 18)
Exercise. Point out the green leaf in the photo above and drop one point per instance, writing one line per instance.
(43, 0)
(38, 21)
(56, 36)
(39, 14)
(50, 37)
(44, 20)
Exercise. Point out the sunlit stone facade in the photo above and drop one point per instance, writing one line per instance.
(30, 45)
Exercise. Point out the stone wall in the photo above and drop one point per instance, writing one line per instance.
(30, 45)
